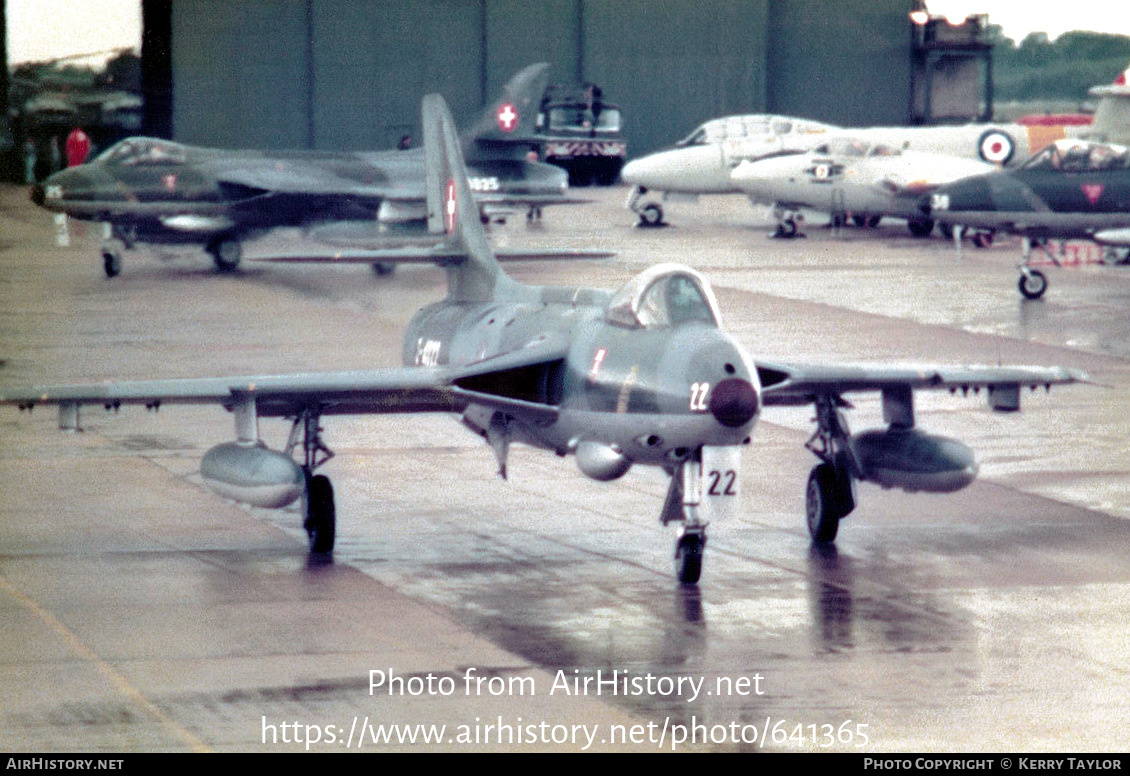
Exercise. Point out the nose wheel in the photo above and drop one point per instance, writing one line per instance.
(688, 556)
(1032, 283)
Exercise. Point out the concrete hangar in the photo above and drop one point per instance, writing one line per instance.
(349, 74)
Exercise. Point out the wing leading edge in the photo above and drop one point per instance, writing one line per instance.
(785, 384)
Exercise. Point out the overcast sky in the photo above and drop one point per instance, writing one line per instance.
(45, 29)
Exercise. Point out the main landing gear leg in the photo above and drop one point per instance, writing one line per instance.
(691, 544)
(226, 253)
(650, 211)
(117, 242)
(320, 520)
(830, 495)
(1032, 283)
(787, 223)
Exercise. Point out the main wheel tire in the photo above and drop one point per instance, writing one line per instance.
(822, 503)
(920, 227)
(321, 515)
(688, 558)
(983, 239)
(226, 254)
(651, 214)
(111, 262)
(1033, 285)
(786, 229)
(384, 269)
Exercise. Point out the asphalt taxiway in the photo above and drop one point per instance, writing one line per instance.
(142, 612)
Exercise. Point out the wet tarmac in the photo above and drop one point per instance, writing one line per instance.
(143, 612)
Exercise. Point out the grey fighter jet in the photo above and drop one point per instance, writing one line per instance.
(642, 376)
(1073, 189)
(160, 192)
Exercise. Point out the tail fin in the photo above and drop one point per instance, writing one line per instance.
(507, 126)
(476, 276)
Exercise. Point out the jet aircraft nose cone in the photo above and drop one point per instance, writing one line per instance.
(38, 194)
(734, 402)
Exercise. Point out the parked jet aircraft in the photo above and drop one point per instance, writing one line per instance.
(847, 176)
(157, 191)
(645, 375)
(702, 162)
(1071, 189)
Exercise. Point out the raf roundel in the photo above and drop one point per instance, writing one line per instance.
(449, 206)
(995, 146)
(507, 117)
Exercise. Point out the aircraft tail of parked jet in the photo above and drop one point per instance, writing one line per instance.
(510, 121)
(475, 277)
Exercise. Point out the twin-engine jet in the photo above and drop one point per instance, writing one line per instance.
(643, 376)
(846, 176)
(159, 192)
(1071, 190)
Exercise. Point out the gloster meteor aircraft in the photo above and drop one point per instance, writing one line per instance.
(1071, 190)
(642, 376)
(160, 192)
(846, 175)
(702, 162)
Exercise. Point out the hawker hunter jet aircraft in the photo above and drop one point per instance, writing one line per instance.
(643, 376)
(847, 176)
(1073, 189)
(157, 191)
(702, 162)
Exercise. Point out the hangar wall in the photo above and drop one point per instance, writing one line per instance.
(348, 74)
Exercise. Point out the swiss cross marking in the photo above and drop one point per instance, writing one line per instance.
(449, 206)
(507, 117)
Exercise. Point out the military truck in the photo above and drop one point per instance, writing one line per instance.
(582, 134)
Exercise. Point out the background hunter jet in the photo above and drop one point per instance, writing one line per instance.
(643, 376)
(1071, 190)
(157, 191)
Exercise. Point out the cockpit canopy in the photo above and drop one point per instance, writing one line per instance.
(854, 147)
(143, 150)
(754, 126)
(663, 296)
(1080, 156)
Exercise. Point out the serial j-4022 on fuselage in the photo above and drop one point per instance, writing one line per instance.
(642, 376)
(1072, 189)
(154, 191)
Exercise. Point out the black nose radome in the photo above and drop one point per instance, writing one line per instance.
(733, 402)
(37, 194)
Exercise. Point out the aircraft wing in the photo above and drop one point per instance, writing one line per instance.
(499, 382)
(403, 389)
(424, 255)
(785, 384)
(306, 178)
